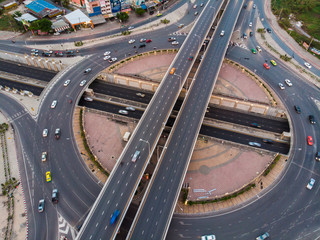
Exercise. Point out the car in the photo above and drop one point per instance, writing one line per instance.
(297, 108)
(114, 216)
(317, 156)
(158, 15)
(46, 54)
(253, 51)
(250, 24)
(57, 133)
(269, 30)
(281, 86)
(143, 40)
(195, 13)
(254, 6)
(55, 196)
(69, 52)
(222, 33)
(142, 45)
(136, 155)
(58, 53)
(208, 237)
(201, 5)
(124, 112)
(171, 39)
(310, 140)
(251, 34)
(195, 6)
(130, 108)
(190, 58)
(54, 103)
(308, 65)
(107, 53)
(311, 119)
(266, 65)
(254, 144)
(310, 184)
(175, 43)
(41, 205)
(56, 34)
(266, 140)
(106, 58)
(259, 48)
(140, 94)
(89, 99)
(45, 132)
(245, 6)
(288, 82)
(66, 83)
(180, 25)
(34, 54)
(44, 156)
(35, 50)
(148, 40)
(131, 41)
(172, 70)
(48, 176)
(131, 27)
(112, 60)
(273, 62)
(256, 125)
(263, 236)
(245, 36)
(83, 82)
(87, 71)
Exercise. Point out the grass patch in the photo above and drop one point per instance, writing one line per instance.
(8, 23)
(272, 165)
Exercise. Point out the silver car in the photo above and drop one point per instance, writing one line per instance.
(130, 109)
(41, 205)
(83, 82)
(66, 83)
(254, 144)
(45, 132)
(124, 112)
(54, 103)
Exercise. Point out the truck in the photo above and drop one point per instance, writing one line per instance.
(126, 136)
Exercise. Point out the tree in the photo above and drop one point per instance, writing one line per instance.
(123, 16)
(140, 11)
(44, 25)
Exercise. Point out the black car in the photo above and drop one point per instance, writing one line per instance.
(57, 133)
(55, 196)
(268, 30)
(297, 108)
(318, 156)
(46, 54)
(311, 119)
(251, 34)
(256, 125)
(142, 45)
(267, 141)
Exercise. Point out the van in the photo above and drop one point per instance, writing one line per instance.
(172, 71)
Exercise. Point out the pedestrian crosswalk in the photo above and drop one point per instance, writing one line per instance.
(66, 232)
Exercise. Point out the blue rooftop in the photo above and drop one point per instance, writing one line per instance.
(38, 5)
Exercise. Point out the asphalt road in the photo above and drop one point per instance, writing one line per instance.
(164, 188)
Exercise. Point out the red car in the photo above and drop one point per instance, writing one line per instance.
(148, 40)
(266, 65)
(310, 140)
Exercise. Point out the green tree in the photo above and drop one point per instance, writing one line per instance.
(140, 11)
(123, 16)
(44, 25)
(17, 14)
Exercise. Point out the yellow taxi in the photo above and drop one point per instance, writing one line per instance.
(172, 70)
(48, 176)
(273, 62)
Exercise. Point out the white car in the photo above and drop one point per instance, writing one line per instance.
(208, 237)
(124, 112)
(54, 103)
(41, 205)
(250, 24)
(131, 41)
(106, 58)
(135, 156)
(130, 109)
(107, 53)
(254, 144)
(83, 82)
(281, 86)
(45, 132)
(44, 156)
(254, 6)
(195, 6)
(263, 236)
(259, 49)
(35, 50)
(89, 99)
(308, 65)
(310, 184)
(114, 59)
(288, 82)
(222, 33)
(66, 83)
(175, 43)
(131, 27)
(143, 40)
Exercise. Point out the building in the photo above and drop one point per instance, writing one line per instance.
(78, 18)
(41, 9)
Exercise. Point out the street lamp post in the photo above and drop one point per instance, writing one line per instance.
(141, 140)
